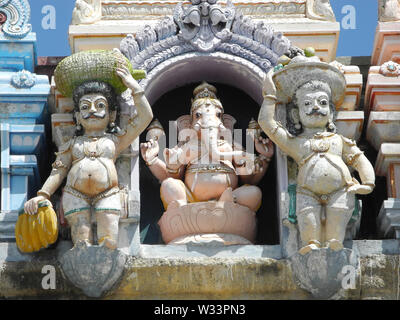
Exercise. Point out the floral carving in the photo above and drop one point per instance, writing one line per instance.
(390, 69)
(23, 80)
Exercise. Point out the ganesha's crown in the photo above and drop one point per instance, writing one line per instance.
(204, 91)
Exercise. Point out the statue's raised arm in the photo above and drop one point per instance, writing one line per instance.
(144, 115)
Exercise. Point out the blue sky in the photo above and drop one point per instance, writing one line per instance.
(354, 41)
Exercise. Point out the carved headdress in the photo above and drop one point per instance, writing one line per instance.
(205, 91)
(302, 70)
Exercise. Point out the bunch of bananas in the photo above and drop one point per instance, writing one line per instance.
(34, 232)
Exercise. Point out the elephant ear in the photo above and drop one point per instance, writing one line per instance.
(229, 122)
(185, 131)
(183, 122)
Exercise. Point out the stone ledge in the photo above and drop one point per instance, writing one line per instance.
(10, 253)
(199, 278)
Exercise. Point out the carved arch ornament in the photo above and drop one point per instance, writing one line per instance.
(205, 29)
(17, 15)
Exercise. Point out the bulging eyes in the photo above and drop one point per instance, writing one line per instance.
(101, 105)
(324, 102)
(219, 114)
(198, 115)
(84, 107)
(307, 103)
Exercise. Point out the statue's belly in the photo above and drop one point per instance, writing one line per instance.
(320, 176)
(209, 185)
(92, 177)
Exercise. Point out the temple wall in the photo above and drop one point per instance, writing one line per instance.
(370, 114)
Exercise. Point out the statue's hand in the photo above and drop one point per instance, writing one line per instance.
(360, 189)
(269, 87)
(128, 79)
(245, 164)
(31, 206)
(149, 150)
(172, 158)
(264, 146)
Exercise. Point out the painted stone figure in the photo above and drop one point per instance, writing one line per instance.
(87, 161)
(389, 10)
(206, 165)
(326, 190)
(86, 11)
(319, 10)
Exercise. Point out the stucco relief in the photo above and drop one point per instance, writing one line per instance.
(16, 15)
(86, 11)
(312, 9)
(205, 28)
(389, 10)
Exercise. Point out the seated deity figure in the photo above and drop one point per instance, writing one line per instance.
(87, 161)
(206, 165)
(325, 197)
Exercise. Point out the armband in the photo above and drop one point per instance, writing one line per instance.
(352, 158)
(44, 194)
(58, 165)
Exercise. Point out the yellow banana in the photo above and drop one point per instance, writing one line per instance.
(25, 234)
(40, 229)
(33, 226)
(50, 221)
(18, 235)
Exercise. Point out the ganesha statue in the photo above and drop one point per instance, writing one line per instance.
(208, 182)
(310, 91)
(92, 194)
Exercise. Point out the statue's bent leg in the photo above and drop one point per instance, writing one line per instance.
(248, 196)
(308, 212)
(108, 211)
(78, 214)
(173, 190)
(338, 214)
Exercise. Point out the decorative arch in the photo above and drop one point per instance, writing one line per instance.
(205, 41)
(16, 15)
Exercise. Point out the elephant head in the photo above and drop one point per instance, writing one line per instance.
(207, 122)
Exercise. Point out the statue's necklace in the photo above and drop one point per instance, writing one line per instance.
(320, 143)
(90, 148)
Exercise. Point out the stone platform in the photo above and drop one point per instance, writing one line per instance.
(190, 272)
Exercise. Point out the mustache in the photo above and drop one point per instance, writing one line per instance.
(95, 114)
(317, 112)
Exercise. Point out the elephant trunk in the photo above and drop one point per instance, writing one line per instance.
(209, 137)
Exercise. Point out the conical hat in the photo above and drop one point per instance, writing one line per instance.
(93, 65)
(294, 75)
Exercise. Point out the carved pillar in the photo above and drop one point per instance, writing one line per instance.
(382, 103)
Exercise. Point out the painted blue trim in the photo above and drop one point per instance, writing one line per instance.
(18, 14)
(5, 145)
(27, 139)
(5, 165)
(18, 54)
